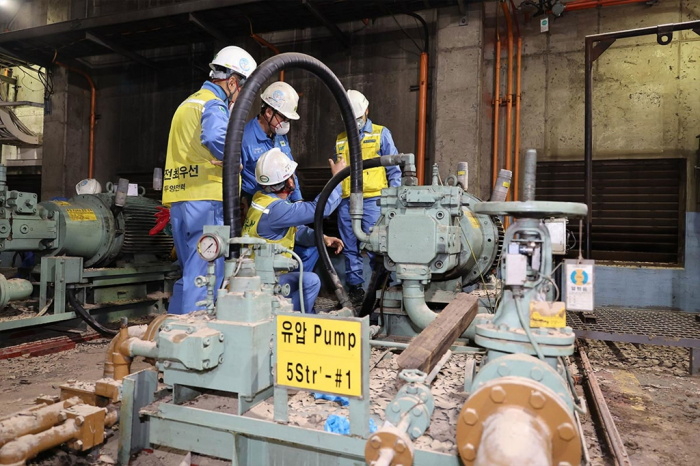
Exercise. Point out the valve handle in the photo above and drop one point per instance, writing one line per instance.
(532, 209)
(413, 376)
(200, 281)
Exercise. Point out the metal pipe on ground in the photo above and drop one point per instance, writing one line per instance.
(17, 452)
(34, 420)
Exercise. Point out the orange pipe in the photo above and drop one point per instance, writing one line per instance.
(585, 5)
(422, 116)
(265, 43)
(509, 92)
(516, 147)
(496, 107)
(93, 99)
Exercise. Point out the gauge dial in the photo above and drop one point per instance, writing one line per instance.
(209, 247)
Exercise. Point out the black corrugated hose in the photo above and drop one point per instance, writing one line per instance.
(234, 134)
(318, 226)
(85, 315)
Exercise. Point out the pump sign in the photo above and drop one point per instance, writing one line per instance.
(319, 354)
(579, 285)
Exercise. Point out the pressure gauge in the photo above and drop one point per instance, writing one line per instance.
(209, 247)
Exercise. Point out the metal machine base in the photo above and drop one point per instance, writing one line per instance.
(240, 439)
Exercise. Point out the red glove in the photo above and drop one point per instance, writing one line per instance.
(162, 219)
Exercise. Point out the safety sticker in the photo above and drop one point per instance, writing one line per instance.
(81, 215)
(317, 354)
(61, 203)
(473, 220)
(546, 314)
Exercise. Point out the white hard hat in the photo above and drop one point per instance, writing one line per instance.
(359, 102)
(234, 59)
(89, 186)
(283, 98)
(274, 167)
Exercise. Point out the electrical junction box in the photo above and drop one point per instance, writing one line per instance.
(557, 234)
(516, 269)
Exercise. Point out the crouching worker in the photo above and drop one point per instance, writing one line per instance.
(276, 219)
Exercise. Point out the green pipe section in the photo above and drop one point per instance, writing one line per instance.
(14, 289)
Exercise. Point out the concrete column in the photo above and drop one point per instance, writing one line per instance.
(66, 123)
(66, 133)
(457, 103)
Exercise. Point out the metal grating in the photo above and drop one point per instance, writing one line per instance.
(638, 206)
(644, 326)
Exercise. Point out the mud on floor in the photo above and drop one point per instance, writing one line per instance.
(653, 399)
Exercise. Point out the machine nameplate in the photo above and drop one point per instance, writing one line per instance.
(546, 314)
(579, 285)
(81, 215)
(317, 354)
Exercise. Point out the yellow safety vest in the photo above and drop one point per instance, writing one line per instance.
(374, 179)
(189, 173)
(259, 207)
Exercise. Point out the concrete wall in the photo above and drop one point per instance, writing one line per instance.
(646, 105)
(647, 102)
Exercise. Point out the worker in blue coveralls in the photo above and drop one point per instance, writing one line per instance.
(273, 217)
(192, 181)
(267, 130)
(376, 141)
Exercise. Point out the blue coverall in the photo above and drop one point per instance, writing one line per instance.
(255, 143)
(275, 224)
(189, 217)
(370, 212)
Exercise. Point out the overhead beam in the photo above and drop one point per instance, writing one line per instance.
(119, 49)
(119, 18)
(331, 26)
(21, 103)
(28, 58)
(208, 28)
(8, 80)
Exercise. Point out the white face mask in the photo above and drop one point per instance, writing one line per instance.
(282, 128)
(360, 123)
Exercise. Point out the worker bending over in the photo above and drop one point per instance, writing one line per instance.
(267, 130)
(274, 218)
(376, 141)
(192, 182)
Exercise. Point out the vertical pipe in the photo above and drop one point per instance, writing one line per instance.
(516, 147)
(509, 88)
(496, 106)
(265, 43)
(422, 117)
(93, 101)
(588, 146)
(529, 175)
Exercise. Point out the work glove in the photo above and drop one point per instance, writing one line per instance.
(162, 220)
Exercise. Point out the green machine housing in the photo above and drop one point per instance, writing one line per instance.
(89, 244)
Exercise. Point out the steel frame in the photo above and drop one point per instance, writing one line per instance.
(596, 45)
(242, 440)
